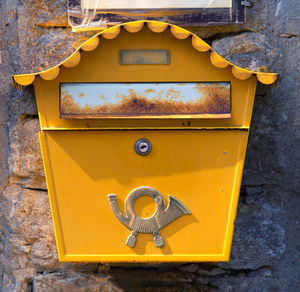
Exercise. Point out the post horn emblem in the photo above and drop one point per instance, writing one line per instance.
(153, 224)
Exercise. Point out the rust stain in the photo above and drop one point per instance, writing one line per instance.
(81, 95)
(215, 100)
(150, 90)
(102, 97)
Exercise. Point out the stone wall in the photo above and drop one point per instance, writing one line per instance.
(34, 35)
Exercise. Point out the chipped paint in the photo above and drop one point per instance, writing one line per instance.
(94, 100)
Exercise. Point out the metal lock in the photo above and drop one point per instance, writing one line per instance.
(131, 240)
(143, 147)
(158, 240)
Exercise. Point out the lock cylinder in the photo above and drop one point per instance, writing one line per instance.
(143, 147)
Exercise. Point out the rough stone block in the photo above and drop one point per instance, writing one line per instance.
(74, 282)
(25, 158)
(248, 49)
(259, 236)
(31, 230)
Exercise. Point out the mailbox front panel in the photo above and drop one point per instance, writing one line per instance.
(143, 144)
(201, 169)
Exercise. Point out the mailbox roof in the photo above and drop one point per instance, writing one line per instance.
(26, 79)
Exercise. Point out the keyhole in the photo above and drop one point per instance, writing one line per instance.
(143, 147)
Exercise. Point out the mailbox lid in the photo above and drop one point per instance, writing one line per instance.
(202, 169)
(187, 65)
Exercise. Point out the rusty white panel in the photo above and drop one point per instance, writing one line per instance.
(154, 4)
(96, 100)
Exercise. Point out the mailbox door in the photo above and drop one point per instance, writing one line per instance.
(201, 168)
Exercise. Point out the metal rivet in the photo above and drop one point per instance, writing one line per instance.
(247, 4)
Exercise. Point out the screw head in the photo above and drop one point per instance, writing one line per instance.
(143, 147)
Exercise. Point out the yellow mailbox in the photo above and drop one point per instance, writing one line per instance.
(144, 132)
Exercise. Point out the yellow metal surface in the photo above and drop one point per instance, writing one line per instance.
(240, 73)
(200, 45)
(91, 44)
(267, 78)
(179, 33)
(218, 61)
(157, 26)
(202, 169)
(73, 60)
(50, 74)
(24, 79)
(134, 26)
(111, 33)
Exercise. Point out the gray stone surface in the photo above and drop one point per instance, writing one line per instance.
(259, 236)
(247, 49)
(74, 282)
(25, 159)
(266, 246)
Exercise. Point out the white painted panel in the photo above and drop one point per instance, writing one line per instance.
(154, 4)
(98, 99)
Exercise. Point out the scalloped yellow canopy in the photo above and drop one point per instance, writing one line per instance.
(26, 79)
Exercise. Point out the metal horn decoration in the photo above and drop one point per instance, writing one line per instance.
(153, 224)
